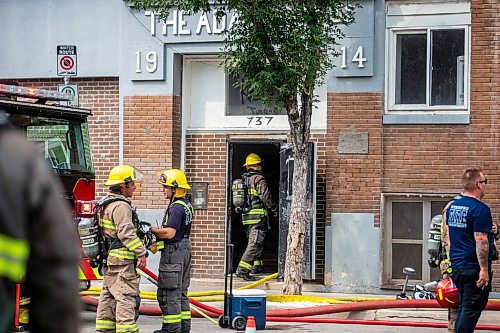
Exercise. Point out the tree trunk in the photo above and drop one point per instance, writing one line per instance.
(296, 230)
(300, 124)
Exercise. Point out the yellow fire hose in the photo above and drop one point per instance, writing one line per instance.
(149, 295)
(217, 295)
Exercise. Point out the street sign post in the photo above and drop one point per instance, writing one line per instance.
(71, 89)
(66, 60)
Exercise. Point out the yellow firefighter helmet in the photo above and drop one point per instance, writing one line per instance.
(123, 174)
(252, 159)
(174, 178)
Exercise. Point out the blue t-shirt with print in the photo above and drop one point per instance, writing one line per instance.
(178, 217)
(465, 216)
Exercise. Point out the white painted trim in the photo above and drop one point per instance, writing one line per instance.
(314, 211)
(120, 126)
(442, 13)
(390, 75)
(410, 195)
(185, 107)
(436, 8)
(239, 131)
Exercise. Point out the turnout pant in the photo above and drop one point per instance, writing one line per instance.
(452, 317)
(119, 302)
(173, 282)
(256, 233)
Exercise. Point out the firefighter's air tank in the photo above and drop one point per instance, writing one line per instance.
(238, 189)
(87, 230)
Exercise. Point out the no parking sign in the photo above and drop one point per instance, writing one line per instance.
(66, 60)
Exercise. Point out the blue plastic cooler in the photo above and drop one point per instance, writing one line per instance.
(250, 302)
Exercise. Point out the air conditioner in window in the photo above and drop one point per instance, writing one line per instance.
(460, 80)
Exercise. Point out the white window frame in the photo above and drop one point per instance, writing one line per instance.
(413, 21)
(387, 280)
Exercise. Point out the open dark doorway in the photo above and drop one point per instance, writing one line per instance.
(269, 151)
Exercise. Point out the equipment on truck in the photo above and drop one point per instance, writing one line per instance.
(62, 134)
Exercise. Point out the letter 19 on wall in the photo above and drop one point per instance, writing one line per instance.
(151, 59)
(145, 61)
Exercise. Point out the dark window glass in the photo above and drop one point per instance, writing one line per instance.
(437, 207)
(411, 67)
(407, 220)
(447, 78)
(64, 143)
(406, 255)
(239, 103)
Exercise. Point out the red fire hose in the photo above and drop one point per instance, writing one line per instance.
(299, 315)
(374, 322)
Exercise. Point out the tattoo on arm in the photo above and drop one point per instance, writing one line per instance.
(445, 238)
(482, 249)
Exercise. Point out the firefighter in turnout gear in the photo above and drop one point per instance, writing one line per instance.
(255, 217)
(38, 239)
(175, 262)
(119, 301)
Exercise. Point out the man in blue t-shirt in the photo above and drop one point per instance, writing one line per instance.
(470, 224)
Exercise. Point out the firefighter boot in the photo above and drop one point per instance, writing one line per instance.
(162, 330)
(257, 270)
(257, 267)
(244, 274)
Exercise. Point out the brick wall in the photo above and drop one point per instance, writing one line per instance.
(353, 181)
(100, 95)
(321, 220)
(485, 102)
(206, 162)
(151, 142)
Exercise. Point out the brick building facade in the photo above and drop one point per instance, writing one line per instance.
(374, 197)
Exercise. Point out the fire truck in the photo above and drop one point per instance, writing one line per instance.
(62, 135)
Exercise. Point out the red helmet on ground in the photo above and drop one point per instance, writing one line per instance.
(447, 293)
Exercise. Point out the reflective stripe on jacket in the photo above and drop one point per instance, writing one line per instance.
(13, 257)
(259, 196)
(116, 222)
